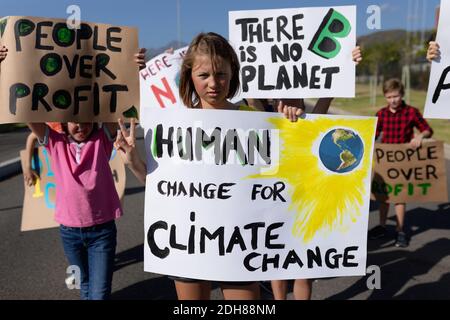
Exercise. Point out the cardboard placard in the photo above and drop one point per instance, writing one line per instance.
(295, 53)
(39, 200)
(54, 73)
(403, 174)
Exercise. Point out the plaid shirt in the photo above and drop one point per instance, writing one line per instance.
(398, 127)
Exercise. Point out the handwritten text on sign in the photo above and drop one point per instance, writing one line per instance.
(405, 174)
(239, 196)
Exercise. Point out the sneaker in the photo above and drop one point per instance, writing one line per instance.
(377, 232)
(401, 240)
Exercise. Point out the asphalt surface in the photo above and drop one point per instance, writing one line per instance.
(11, 143)
(33, 266)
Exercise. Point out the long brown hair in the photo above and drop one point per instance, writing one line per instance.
(216, 47)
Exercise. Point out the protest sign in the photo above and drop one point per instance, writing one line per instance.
(438, 95)
(295, 53)
(404, 174)
(242, 196)
(54, 73)
(39, 200)
(159, 81)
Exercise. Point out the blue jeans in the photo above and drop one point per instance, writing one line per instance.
(92, 249)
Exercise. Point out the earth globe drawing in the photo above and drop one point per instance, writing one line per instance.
(341, 150)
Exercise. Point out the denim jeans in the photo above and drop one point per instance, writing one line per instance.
(92, 249)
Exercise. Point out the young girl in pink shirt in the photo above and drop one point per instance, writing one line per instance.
(86, 203)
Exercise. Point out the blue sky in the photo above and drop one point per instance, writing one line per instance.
(157, 19)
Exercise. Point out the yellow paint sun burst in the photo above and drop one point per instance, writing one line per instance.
(322, 200)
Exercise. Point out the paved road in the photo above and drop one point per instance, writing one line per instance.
(32, 264)
(12, 143)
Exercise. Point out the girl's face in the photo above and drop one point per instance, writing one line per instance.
(394, 99)
(80, 131)
(211, 85)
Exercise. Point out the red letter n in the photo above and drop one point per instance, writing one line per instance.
(167, 93)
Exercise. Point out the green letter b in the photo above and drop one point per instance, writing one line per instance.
(334, 25)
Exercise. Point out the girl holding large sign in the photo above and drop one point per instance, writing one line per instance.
(209, 77)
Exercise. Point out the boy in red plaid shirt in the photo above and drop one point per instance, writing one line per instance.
(396, 122)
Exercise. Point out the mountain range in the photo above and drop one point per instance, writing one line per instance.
(394, 35)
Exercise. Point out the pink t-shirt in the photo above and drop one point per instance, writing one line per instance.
(85, 192)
